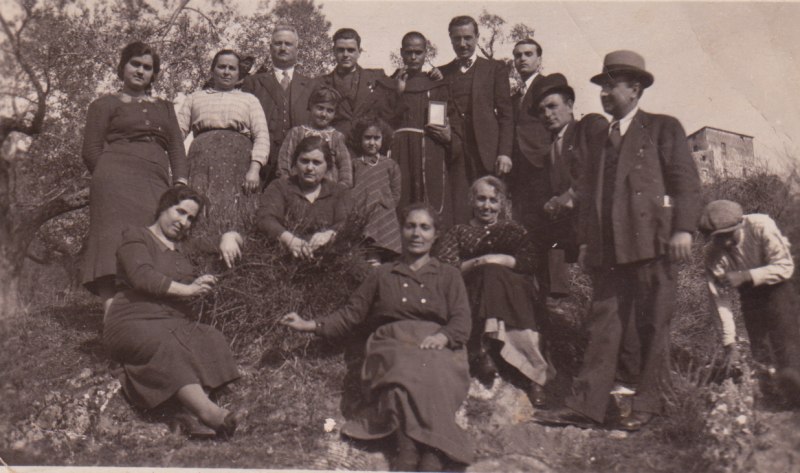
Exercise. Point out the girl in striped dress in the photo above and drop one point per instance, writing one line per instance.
(376, 192)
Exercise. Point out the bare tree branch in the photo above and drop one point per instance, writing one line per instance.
(30, 221)
(38, 117)
(174, 17)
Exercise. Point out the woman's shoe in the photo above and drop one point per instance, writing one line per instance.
(192, 427)
(229, 424)
(485, 368)
(537, 396)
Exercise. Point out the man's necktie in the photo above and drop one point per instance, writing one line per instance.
(285, 81)
(558, 144)
(466, 63)
(614, 136)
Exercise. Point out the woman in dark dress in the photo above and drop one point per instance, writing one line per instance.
(497, 259)
(416, 366)
(421, 150)
(305, 210)
(230, 146)
(132, 143)
(163, 353)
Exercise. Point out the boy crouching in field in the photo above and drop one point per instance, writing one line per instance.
(749, 253)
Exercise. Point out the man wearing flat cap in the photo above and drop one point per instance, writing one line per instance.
(552, 100)
(750, 254)
(640, 202)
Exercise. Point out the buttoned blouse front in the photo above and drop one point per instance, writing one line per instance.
(112, 122)
(434, 293)
(234, 110)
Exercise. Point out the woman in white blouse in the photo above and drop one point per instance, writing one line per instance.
(230, 146)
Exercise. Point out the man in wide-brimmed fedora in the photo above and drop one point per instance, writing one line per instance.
(553, 100)
(640, 203)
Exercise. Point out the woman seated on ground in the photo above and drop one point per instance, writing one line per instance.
(163, 353)
(497, 260)
(304, 211)
(416, 366)
(230, 146)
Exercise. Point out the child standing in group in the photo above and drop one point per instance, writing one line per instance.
(322, 105)
(377, 188)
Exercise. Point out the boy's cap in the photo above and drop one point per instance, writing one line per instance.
(721, 216)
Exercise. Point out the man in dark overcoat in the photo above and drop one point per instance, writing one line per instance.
(640, 204)
(282, 91)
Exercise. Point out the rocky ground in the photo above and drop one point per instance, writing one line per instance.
(61, 405)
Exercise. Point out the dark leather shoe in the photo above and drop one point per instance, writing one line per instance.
(564, 417)
(789, 379)
(192, 427)
(635, 421)
(485, 369)
(537, 396)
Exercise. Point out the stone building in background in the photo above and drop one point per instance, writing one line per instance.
(721, 153)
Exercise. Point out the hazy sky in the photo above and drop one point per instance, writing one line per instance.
(726, 65)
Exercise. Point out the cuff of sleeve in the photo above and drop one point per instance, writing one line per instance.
(262, 160)
(757, 276)
(163, 286)
(182, 181)
(450, 342)
(319, 330)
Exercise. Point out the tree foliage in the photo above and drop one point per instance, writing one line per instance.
(493, 33)
(397, 60)
(58, 56)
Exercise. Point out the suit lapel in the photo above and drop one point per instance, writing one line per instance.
(273, 86)
(632, 143)
(362, 92)
(481, 77)
(601, 165)
(299, 82)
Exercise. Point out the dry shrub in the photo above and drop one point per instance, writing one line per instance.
(268, 282)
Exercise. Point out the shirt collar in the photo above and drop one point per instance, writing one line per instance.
(563, 131)
(432, 266)
(530, 81)
(212, 90)
(327, 188)
(625, 122)
(279, 73)
(472, 58)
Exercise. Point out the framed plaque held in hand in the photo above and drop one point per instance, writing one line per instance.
(437, 113)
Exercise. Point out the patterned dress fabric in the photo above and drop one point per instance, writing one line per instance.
(502, 299)
(229, 130)
(375, 196)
